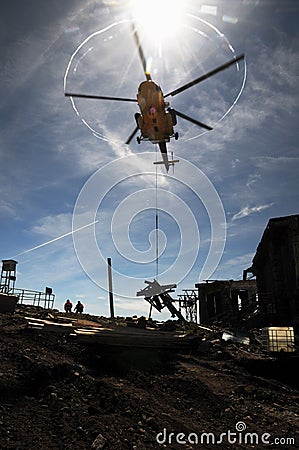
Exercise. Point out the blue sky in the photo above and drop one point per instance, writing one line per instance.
(62, 171)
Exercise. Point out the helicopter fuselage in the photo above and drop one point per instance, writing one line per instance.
(154, 121)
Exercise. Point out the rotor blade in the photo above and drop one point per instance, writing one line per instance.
(131, 136)
(141, 54)
(101, 97)
(204, 77)
(190, 119)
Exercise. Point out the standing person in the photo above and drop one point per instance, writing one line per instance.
(79, 307)
(68, 306)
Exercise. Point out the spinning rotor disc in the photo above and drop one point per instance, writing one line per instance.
(94, 69)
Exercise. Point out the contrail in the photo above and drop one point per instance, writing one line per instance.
(57, 239)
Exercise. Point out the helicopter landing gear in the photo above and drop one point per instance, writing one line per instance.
(176, 135)
(173, 116)
(137, 117)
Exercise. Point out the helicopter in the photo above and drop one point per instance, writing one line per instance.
(156, 119)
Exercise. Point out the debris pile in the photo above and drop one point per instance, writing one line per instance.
(57, 393)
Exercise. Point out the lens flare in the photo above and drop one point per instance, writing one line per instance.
(159, 19)
(191, 239)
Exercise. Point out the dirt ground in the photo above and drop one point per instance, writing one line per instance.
(58, 394)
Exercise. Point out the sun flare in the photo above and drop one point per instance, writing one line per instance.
(160, 19)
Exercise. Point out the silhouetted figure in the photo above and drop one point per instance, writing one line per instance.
(79, 307)
(68, 306)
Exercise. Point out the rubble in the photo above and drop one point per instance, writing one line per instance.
(57, 393)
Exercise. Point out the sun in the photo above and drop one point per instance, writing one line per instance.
(159, 18)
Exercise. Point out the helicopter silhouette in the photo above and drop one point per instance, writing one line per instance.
(156, 119)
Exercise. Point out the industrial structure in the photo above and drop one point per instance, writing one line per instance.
(276, 268)
(158, 296)
(208, 302)
(268, 294)
(188, 302)
(10, 295)
(8, 276)
(221, 298)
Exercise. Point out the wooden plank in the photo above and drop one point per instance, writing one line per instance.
(117, 338)
(58, 327)
(36, 325)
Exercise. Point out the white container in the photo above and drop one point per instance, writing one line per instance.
(278, 339)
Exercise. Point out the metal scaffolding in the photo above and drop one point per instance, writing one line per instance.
(188, 302)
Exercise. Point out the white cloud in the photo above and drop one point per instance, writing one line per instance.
(277, 162)
(54, 226)
(8, 210)
(233, 267)
(247, 211)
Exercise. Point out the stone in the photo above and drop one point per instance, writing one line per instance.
(99, 442)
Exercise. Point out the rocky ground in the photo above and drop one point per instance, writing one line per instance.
(58, 394)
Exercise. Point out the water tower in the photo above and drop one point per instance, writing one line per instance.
(8, 276)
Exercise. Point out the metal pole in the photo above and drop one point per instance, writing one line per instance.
(150, 312)
(110, 289)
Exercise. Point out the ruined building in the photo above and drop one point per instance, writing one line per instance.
(218, 299)
(276, 268)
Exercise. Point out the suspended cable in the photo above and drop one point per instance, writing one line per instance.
(156, 226)
(157, 218)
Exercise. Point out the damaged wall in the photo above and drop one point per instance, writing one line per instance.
(276, 267)
(227, 296)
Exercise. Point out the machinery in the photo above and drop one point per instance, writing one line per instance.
(156, 119)
(158, 297)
